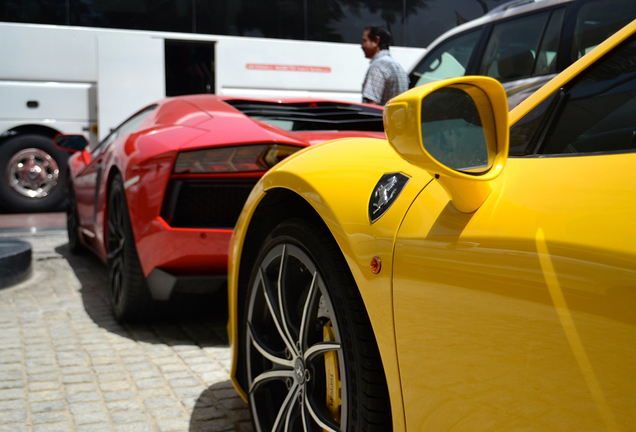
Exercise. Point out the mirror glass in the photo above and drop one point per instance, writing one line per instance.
(452, 131)
(71, 142)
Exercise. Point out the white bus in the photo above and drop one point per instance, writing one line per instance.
(64, 79)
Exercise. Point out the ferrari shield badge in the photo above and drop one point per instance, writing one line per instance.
(385, 193)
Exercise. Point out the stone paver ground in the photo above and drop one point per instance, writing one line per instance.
(67, 365)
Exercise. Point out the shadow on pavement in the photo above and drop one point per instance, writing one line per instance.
(207, 415)
(195, 320)
(187, 319)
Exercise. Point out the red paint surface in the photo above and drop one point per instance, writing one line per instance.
(177, 124)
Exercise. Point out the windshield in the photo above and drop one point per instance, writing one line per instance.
(448, 60)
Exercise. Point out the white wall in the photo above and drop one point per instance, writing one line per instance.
(275, 68)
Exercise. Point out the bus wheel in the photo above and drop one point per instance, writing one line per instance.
(32, 174)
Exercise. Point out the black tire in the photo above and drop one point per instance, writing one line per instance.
(324, 341)
(130, 296)
(36, 190)
(72, 221)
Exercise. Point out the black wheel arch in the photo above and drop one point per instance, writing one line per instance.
(29, 129)
(277, 206)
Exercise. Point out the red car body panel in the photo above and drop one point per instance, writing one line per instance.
(145, 160)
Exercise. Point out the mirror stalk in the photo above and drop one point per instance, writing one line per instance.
(457, 131)
(466, 195)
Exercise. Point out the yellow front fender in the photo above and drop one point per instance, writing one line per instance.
(337, 179)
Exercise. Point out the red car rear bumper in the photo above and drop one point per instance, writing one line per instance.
(183, 259)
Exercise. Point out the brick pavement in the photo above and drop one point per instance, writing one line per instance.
(67, 365)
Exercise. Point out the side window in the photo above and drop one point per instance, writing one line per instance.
(595, 114)
(448, 60)
(100, 146)
(523, 134)
(513, 46)
(597, 20)
(547, 57)
(125, 128)
(599, 112)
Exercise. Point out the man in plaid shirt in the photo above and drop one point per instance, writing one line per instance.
(385, 77)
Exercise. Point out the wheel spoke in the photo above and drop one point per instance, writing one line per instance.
(264, 352)
(277, 319)
(286, 407)
(118, 240)
(116, 251)
(303, 322)
(320, 421)
(117, 215)
(111, 227)
(320, 348)
(272, 375)
(121, 219)
(306, 423)
(116, 228)
(115, 284)
(289, 412)
(281, 270)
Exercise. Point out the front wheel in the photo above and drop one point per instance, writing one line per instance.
(311, 356)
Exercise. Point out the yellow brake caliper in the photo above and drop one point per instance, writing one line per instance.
(334, 393)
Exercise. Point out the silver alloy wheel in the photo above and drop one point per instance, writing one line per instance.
(33, 173)
(288, 311)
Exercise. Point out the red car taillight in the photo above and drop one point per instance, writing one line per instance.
(247, 158)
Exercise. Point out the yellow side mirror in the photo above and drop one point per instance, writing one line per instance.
(457, 130)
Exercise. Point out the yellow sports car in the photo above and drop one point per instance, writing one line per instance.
(474, 271)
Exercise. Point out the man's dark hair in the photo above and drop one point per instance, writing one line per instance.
(385, 36)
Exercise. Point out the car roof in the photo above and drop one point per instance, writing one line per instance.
(507, 10)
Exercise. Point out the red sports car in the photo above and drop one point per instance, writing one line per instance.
(158, 198)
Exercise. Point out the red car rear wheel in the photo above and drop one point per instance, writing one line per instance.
(130, 297)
